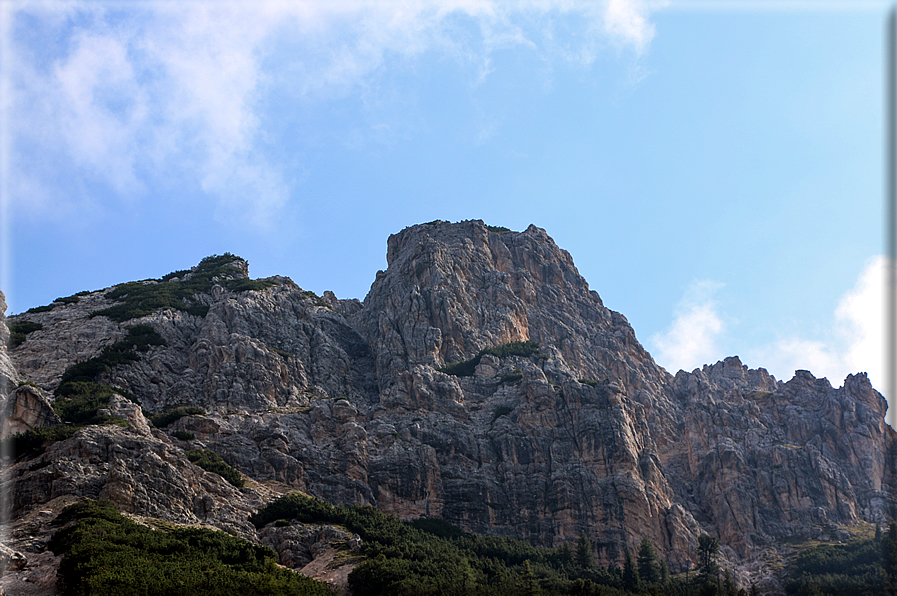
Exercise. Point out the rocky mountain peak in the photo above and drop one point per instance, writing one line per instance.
(453, 289)
(480, 381)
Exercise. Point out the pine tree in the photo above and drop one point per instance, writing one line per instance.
(530, 583)
(584, 552)
(889, 557)
(565, 554)
(708, 548)
(664, 573)
(630, 577)
(729, 584)
(648, 570)
(755, 591)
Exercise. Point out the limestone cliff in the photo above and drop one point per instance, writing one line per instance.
(346, 401)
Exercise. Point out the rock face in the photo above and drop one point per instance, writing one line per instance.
(8, 376)
(26, 408)
(345, 401)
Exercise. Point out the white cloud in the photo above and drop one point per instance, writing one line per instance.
(854, 343)
(118, 93)
(691, 340)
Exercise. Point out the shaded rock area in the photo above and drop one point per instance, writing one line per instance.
(8, 375)
(24, 409)
(345, 400)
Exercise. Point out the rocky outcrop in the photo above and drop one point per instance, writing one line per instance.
(139, 472)
(346, 401)
(762, 460)
(8, 375)
(25, 409)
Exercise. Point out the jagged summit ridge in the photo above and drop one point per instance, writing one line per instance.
(349, 401)
(469, 288)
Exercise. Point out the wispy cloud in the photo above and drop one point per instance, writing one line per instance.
(691, 340)
(854, 343)
(124, 94)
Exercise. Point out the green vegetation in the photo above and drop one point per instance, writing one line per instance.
(511, 378)
(648, 565)
(106, 554)
(163, 419)
(432, 557)
(140, 298)
(466, 368)
(59, 302)
(212, 462)
(183, 435)
(318, 300)
(861, 566)
(80, 395)
(19, 330)
(139, 339)
(498, 229)
(81, 406)
(589, 382)
(708, 552)
(38, 309)
(32, 443)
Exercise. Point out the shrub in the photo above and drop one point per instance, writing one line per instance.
(18, 331)
(106, 554)
(80, 401)
(466, 368)
(183, 435)
(38, 309)
(138, 299)
(163, 419)
(79, 394)
(212, 462)
(34, 442)
(25, 327)
(513, 377)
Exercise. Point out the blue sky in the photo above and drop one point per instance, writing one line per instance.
(714, 168)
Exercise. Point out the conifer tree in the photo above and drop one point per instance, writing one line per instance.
(530, 583)
(565, 554)
(630, 576)
(648, 570)
(729, 583)
(708, 549)
(584, 552)
(889, 557)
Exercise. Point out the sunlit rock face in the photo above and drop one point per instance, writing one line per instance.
(345, 400)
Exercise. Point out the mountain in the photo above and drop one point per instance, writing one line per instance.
(481, 381)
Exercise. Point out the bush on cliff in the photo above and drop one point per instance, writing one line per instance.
(466, 368)
(178, 289)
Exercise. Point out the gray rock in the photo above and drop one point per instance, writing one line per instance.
(25, 409)
(343, 400)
